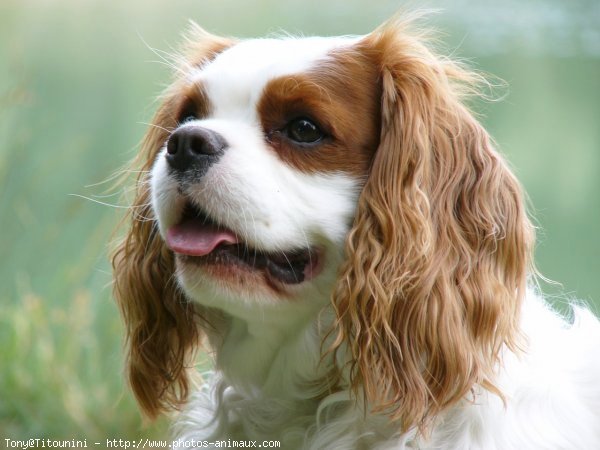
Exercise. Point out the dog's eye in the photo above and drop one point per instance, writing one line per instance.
(304, 131)
(187, 113)
(187, 117)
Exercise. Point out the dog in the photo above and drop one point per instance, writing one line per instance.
(328, 218)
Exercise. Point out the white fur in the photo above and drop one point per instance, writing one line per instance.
(269, 379)
(552, 397)
(236, 78)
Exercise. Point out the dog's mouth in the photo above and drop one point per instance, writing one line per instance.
(201, 240)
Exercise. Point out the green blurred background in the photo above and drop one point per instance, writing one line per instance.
(77, 83)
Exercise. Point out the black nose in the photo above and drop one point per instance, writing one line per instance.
(193, 149)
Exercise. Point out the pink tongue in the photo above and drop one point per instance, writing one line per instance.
(194, 238)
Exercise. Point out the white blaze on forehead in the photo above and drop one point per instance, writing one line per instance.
(235, 79)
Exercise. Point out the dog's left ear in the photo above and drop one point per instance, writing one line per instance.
(439, 252)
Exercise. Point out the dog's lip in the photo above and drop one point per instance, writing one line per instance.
(201, 240)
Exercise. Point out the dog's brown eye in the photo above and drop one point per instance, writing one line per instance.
(187, 116)
(188, 112)
(304, 131)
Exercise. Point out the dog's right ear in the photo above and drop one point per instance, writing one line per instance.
(161, 324)
(159, 320)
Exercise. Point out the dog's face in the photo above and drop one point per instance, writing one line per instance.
(256, 185)
(285, 176)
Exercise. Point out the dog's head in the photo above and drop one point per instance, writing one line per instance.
(289, 174)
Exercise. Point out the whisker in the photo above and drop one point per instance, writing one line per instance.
(167, 130)
(308, 246)
(98, 201)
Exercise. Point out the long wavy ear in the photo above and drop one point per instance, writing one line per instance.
(439, 252)
(161, 324)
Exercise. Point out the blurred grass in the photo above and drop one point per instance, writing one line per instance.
(76, 87)
(63, 381)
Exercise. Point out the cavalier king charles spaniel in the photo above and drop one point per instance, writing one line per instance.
(331, 221)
